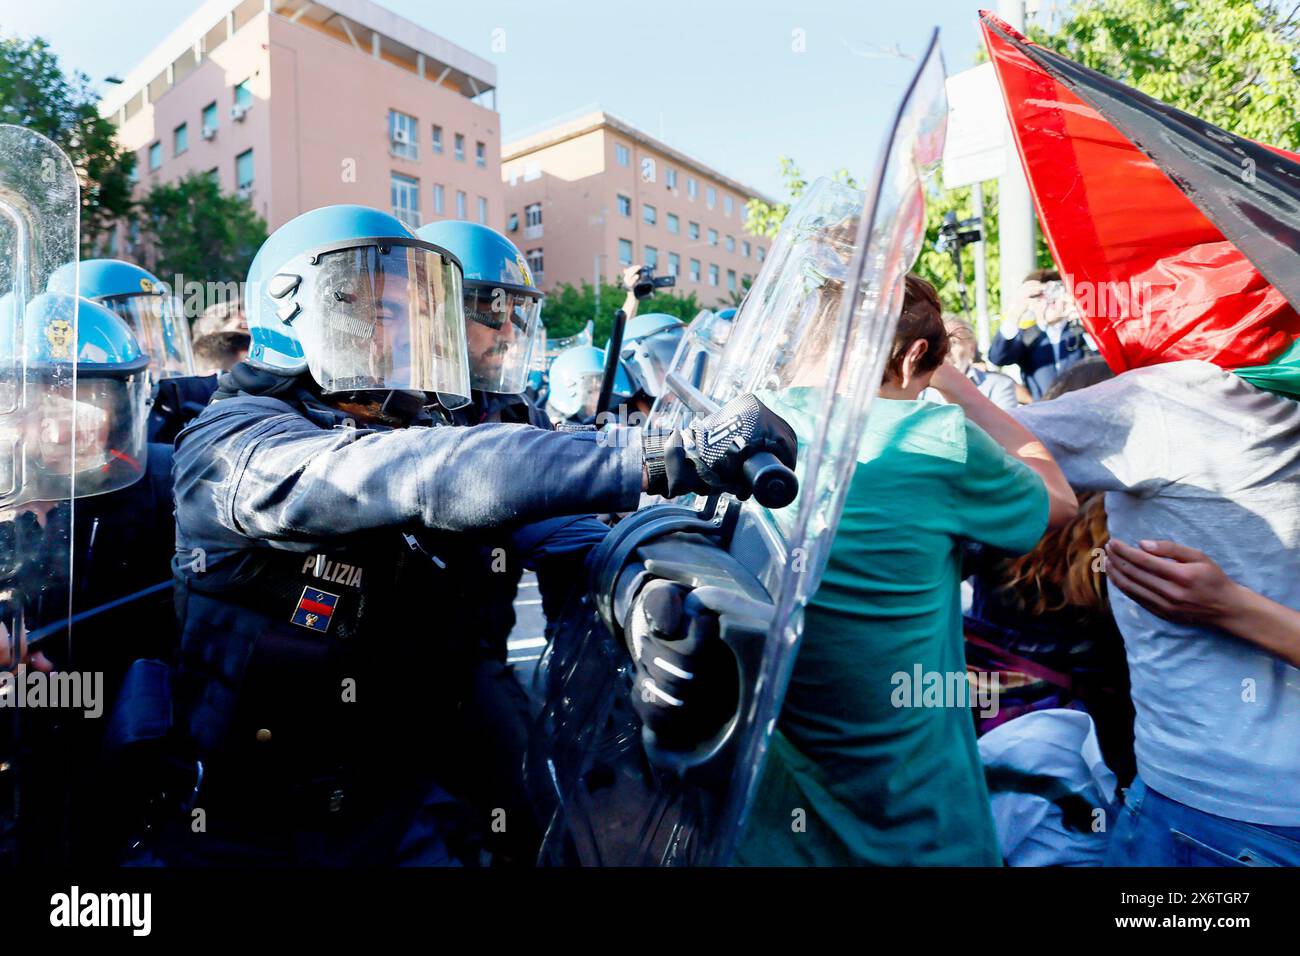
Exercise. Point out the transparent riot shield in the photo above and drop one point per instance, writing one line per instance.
(39, 212)
(811, 341)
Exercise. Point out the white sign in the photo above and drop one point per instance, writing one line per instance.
(647, 169)
(979, 138)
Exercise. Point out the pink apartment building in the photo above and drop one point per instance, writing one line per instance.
(587, 196)
(299, 104)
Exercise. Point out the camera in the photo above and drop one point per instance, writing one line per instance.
(954, 233)
(647, 282)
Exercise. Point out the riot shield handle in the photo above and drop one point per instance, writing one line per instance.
(772, 483)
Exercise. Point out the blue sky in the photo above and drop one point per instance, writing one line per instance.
(717, 79)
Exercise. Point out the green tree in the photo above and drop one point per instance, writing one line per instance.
(37, 94)
(569, 308)
(1233, 63)
(193, 229)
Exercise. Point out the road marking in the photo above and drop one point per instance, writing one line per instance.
(524, 643)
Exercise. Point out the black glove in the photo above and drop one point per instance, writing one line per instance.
(686, 679)
(710, 454)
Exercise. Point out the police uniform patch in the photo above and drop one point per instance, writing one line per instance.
(315, 608)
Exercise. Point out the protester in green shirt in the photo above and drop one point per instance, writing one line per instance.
(874, 758)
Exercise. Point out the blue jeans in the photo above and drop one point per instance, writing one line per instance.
(1156, 831)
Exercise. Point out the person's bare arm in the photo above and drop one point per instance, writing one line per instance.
(1018, 441)
(630, 301)
(1182, 584)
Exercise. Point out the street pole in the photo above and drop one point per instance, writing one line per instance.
(981, 272)
(1016, 224)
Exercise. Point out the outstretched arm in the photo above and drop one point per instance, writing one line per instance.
(279, 477)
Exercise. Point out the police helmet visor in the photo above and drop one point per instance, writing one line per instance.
(576, 398)
(384, 317)
(97, 438)
(649, 359)
(501, 327)
(162, 331)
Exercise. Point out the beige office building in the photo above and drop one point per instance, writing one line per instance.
(299, 104)
(589, 195)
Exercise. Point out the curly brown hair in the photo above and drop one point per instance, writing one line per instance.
(1066, 568)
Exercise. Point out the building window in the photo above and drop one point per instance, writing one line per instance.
(745, 248)
(674, 224)
(621, 155)
(155, 156)
(648, 214)
(761, 254)
(726, 205)
(533, 214)
(713, 237)
(244, 170)
(210, 121)
(731, 243)
(461, 203)
(670, 177)
(692, 189)
(693, 230)
(403, 138)
(652, 257)
(460, 146)
(480, 155)
(405, 193)
(731, 280)
(535, 263)
(243, 95)
(624, 205)
(437, 139)
(180, 139)
(482, 210)
(439, 199)
(713, 275)
(674, 263)
(695, 270)
(711, 197)
(625, 252)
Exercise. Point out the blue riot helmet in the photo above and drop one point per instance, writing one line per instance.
(649, 344)
(146, 304)
(355, 298)
(502, 304)
(575, 378)
(94, 435)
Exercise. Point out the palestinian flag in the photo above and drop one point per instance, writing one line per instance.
(1178, 240)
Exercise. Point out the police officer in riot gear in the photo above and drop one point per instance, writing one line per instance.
(150, 310)
(330, 536)
(649, 343)
(122, 539)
